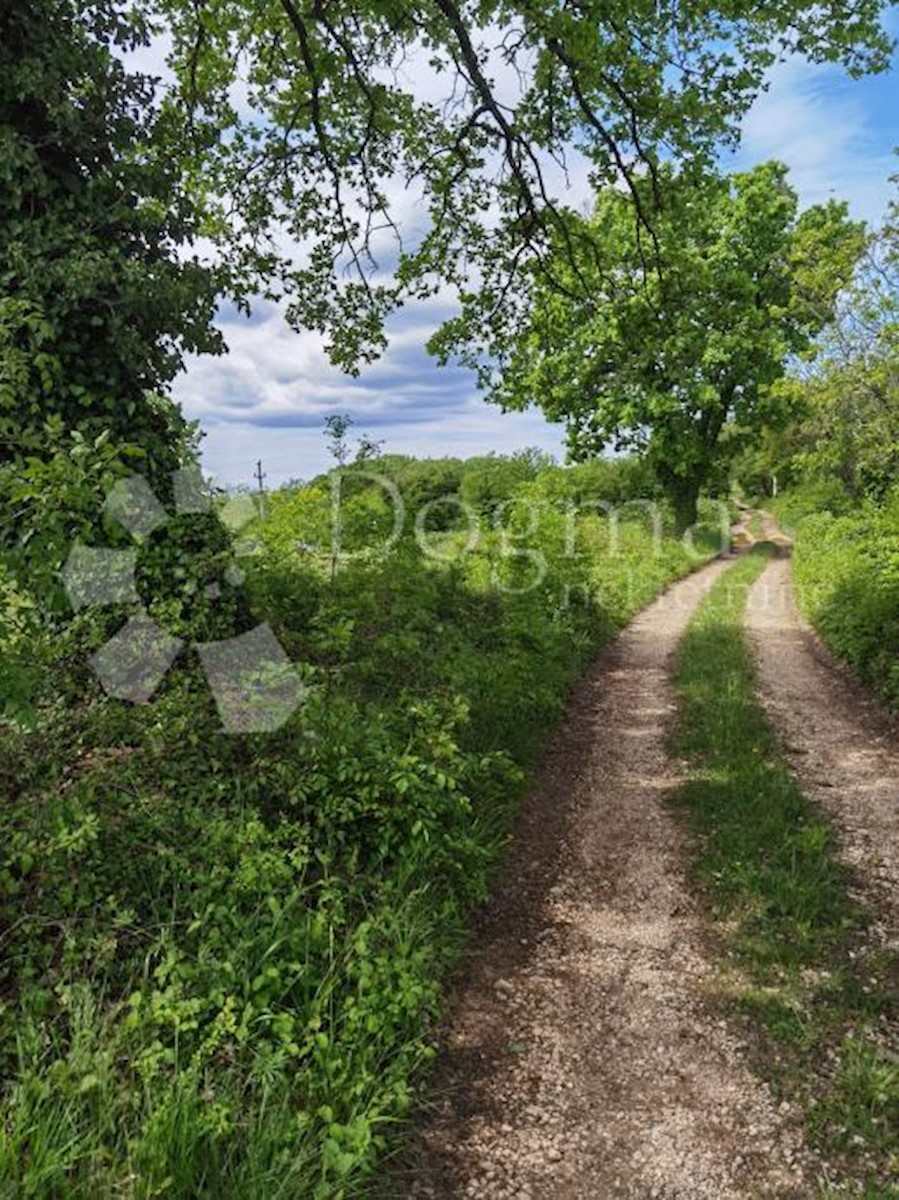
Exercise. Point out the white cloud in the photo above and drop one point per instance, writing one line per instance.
(815, 119)
(230, 451)
(269, 396)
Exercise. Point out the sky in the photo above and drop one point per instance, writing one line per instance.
(268, 397)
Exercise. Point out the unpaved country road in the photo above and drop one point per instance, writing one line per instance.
(582, 1058)
(842, 744)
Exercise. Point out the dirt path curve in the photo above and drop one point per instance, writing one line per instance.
(582, 1059)
(842, 744)
(740, 535)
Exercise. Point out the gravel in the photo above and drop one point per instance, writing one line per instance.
(584, 1056)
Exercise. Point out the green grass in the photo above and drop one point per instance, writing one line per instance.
(846, 568)
(221, 957)
(824, 1005)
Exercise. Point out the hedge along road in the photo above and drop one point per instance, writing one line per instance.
(840, 740)
(582, 1057)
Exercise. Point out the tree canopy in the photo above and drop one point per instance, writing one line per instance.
(352, 155)
(343, 158)
(666, 355)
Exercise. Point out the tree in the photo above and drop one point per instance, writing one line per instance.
(666, 357)
(491, 481)
(848, 397)
(287, 140)
(99, 295)
(315, 125)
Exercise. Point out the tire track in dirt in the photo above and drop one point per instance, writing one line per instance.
(841, 742)
(582, 1060)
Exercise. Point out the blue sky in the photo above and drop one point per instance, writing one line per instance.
(268, 397)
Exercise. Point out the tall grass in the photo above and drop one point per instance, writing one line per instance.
(846, 567)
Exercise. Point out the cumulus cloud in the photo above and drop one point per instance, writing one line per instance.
(285, 378)
(827, 128)
(269, 396)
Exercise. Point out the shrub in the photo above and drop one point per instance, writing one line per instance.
(847, 581)
(222, 955)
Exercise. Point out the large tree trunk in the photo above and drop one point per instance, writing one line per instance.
(683, 493)
(684, 501)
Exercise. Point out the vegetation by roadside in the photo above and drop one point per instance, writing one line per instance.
(825, 1005)
(846, 570)
(220, 956)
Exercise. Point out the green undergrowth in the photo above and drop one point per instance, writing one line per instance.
(846, 568)
(826, 1006)
(221, 956)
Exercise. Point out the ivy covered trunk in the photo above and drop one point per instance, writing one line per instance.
(685, 502)
(683, 494)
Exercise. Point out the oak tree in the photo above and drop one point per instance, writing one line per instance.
(665, 356)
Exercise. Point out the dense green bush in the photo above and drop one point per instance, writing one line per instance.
(847, 580)
(101, 292)
(221, 955)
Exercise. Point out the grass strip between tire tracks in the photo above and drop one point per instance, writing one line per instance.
(824, 1004)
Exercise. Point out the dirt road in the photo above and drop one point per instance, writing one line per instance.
(583, 1058)
(842, 744)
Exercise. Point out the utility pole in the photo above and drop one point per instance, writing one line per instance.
(260, 476)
